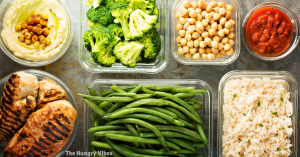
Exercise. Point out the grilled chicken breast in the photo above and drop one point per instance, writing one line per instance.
(50, 91)
(17, 102)
(45, 132)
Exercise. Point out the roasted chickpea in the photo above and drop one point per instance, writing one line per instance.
(178, 16)
(229, 8)
(27, 35)
(214, 26)
(37, 44)
(39, 31)
(43, 22)
(200, 31)
(37, 20)
(28, 41)
(48, 41)
(210, 56)
(45, 16)
(21, 38)
(219, 55)
(231, 29)
(24, 26)
(179, 45)
(31, 33)
(178, 39)
(25, 31)
(42, 38)
(35, 38)
(34, 28)
(18, 27)
(196, 56)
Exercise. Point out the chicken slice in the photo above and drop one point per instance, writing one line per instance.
(45, 132)
(50, 91)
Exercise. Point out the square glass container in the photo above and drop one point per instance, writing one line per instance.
(205, 111)
(175, 9)
(155, 67)
(291, 85)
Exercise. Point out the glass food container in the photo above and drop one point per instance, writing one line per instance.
(295, 37)
(157, 66)
(44, 75)
(291, 85)
(206, 111)
(5, 5)
(175, 8)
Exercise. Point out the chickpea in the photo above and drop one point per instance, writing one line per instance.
(227, 47)
(197, 22)
(212, 21)
(39, 26)
(18, 27)
(36, 44)
(199, 17)
(217, 16)
(207, 40)
(205, 34)
(43, 22)
(221, 46)
(196, 56)
(37, 20)
(214, 44)
(21, 38)
(179, 45)
(213, 4)
(212, 13)
(226, 31)
(200, 39)
(191, 29)
(222, 11)
(201, 4)
(39, 31)
(203, 44)
(28, 41)
(214, 50)
(178, 39)
(25, 31)
(30, 21)
(186, 49)
(230, 52)
(187, 4)
(209, 8)
(181, 33)
(193, 13)
(182, 21)
(232, 22)
(228, 15)
(223, 21)
(24, 26)
(190, 10)
(203, 13)
(190, 44)
(45, 16)
(201, 50)
(216, 9)
(207, 28)
(219, 55)
(183, 41)
(196, 43)
(192, 20)
(188, 55)
(230, 35)
(195, 35)
(200, 31)
(223, 52)
(204, 56)
(198, 10)
(221, 32)
(27, 35)
(212, 32)
(231, 29)
(210, 56)
(193, 51)
(208, 50)
(200, 26)
(221, 4)
(178, 16)
(180, 51)
(229, 8)
(228, 25)
(34, 28)
(225, 41)
(179, 27)
(214, 26)
(216, 38)
(194, 5)
(231, 42)
(207, 17)
(209, 45)
(186, 16)
(220, 27)
(186, 26)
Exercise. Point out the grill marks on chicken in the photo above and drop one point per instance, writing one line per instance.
(45, 132)
(17, 102)
(49, 91)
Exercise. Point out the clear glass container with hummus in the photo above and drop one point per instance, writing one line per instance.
(156, 66)
(35, 33)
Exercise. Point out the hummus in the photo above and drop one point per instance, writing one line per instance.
(18, 13)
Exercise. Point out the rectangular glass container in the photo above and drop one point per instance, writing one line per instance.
(157, 66)
(205, 111)
(291, 85)
(175, 9)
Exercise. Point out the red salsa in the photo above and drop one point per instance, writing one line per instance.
(269, 31)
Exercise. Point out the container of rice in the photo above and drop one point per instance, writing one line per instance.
(258, 112)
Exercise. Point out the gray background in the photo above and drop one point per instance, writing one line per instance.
(69, 70)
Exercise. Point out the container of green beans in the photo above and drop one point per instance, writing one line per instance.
(148, 118)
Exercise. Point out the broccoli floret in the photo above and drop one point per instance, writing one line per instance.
(144, 5)
(121, 12)
(123, 1)
(156, 12)
(96, 3)
(93, 25)
(140, 24)
(152, 43)
(128, 53)
(116, 29)
(100, 15)
(108, 3)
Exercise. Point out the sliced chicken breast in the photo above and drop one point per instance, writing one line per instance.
(45, 132)
(50, 91)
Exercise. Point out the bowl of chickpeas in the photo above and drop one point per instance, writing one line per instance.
(205, 32)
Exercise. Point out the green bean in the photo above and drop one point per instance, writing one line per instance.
(117, 89)
(104, 104)
(178, 113)
(182, 109)
(145, 116)
(105, 93)
(168, 152)
(134, 110)
(164, 111)
(126, 151)
(95, 108)
(178, 129)
(138, 103)
(164, 88)
(184, 95)
(196, 106)
(134, 132)
(198, 91)
(146, 90)
(191, 126)
(143, 96)
(136, 89)
(106, 127)
(170, 134)
(180, 101)
(177, 122)
(115, 154)
(93, 122)
(182, 151)
(150, 146)
(115, 107)
(182, 89)
(122, 94)
(110, 99)
(181, 143)
(140, 140)
(92, 92)
(143, 151)
(199, 145)
(122, 132)
(100, 144)
(144, 124)
(187, 141)
(202, 134)
(150, 86)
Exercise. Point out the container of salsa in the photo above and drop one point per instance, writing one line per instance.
(271, 31)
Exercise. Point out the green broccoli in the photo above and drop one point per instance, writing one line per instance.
(128, 53)
(96, 3)
(100, 15)
(143, 5)
(100, 42)
(121, 12)
(108, 3)
(152, 44)
(116, 29)
(123, 1)
(156, 12)
(140, 24)
(93, 25)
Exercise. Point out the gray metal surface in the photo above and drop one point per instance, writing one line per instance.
(69, 70)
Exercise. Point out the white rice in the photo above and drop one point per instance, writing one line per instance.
(243, 135)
